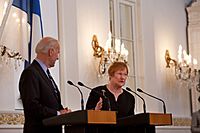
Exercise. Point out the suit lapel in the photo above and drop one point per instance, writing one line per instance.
(46, 79)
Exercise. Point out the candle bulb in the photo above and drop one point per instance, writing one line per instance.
(117, 45)
(108, 42)
(195, 63)
(180, 54)
(185, 55)
(189, 59)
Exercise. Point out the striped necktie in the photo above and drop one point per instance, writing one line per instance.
(55, 88)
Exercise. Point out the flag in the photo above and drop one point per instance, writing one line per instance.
(23, 27)
(33, 18)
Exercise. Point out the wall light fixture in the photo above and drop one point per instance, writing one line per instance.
(185, 68)
(113, 51)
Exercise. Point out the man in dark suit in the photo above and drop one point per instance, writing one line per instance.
(39, 93)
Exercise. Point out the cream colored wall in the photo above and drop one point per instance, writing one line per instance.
(163, 27)
(9, 77)
(161, 30)
(69, 57)
(79, 21)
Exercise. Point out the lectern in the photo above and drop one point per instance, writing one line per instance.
(144, 122)
(80, 121)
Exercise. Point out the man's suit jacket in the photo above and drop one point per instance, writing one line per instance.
(39, 100)
(195, 126)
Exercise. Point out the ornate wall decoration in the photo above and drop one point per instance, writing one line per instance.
(7, 56)
(11, 118)
(181, 122)
(18, 119)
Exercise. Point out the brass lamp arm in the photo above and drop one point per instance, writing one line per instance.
(168, 59)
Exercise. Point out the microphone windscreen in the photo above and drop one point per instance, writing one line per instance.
(138, 89)
(128, 89)
(70, 82)
(81, 84)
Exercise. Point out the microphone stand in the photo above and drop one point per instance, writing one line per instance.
(103, 91)
(82, 101)
(144, 105)
(81, 84)
(164, 107)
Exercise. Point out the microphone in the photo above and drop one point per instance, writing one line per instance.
(109, 107)
(81, 84)
(164, 107)
(82, 101)
(144, 105)
(102, 95)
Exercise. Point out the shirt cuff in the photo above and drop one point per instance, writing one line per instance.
(58, 113)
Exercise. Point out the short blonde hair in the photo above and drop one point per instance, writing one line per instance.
(117, 66)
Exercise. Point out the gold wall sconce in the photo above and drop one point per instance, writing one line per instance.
(185, 71)
(185, 68)
(169, 60)
(113, 51)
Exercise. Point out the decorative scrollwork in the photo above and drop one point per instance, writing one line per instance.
(113, 51)
(98, 50)
(10, 53)
(198, 88)
(7, 56)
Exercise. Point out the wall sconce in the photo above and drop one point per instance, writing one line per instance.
(113, 51)
(169, 60)
(7, 56)
(184, 68)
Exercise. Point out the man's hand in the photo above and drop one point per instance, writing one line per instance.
(64, 111)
